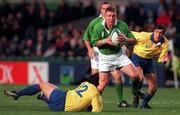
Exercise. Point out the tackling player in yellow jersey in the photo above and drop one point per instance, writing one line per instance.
(150, 45)
(79, 99)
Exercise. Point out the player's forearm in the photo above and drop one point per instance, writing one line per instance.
(101, 42)
(129, 51)
(163, 57)
(88, 45)
(131, 40)
(97, 103)
(164, 53)
(96, 108)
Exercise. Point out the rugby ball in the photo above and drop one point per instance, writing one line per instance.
(114, 36)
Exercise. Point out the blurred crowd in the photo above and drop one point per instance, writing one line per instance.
(24, 26)
(23, 30)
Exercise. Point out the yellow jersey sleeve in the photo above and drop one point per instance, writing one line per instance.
(97, 104)
(140, 36)
(165, 47)
(137, 35)
(145, 48)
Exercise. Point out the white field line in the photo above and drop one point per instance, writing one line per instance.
(164, 103)
(106, 102)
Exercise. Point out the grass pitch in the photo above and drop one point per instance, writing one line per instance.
(165, 102)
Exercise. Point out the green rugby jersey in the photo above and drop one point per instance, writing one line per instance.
(100, 32)
(88, 32)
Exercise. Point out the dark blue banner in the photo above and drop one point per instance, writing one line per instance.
(61, 73)
(74, 73)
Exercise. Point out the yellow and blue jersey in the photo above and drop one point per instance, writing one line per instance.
(82, 97)
(147, 49)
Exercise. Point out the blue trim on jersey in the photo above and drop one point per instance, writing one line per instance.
(146, 64)
(57, 100)
(161, 39)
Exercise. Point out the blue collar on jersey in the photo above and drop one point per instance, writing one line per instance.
(161, 40)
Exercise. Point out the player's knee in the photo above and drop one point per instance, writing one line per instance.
(100, 88)
(141, 79)
(133, 75)
(42, 85)
(118, 79)
(103, 82)
(102, 85)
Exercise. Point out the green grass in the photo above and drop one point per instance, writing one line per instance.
(165, 102)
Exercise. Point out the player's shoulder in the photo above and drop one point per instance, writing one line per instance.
(147, 33)
(121, 22)
(85, 84)
(142, 33)
(91, 86)
(98, 26)
(88, 84)
(96, 20)
(94, 90)
(99, 18)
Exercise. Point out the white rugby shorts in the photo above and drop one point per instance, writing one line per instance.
(113, 61)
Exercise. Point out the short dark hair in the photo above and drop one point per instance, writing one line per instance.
(111, 9)
(105, 3)
(94, 79)
(160, 26)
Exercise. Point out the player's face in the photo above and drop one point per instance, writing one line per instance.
(103, 8)
(158, 33)
(110, 18)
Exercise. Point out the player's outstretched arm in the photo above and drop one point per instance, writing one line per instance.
(97, 103)
(163, 58)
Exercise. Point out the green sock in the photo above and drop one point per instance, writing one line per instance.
(119, 90)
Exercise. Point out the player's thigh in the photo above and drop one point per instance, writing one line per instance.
(130, 70)
(47, 88)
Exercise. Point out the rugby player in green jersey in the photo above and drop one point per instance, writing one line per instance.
(111, 56)
(93, 53)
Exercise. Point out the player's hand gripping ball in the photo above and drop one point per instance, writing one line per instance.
(114, 36)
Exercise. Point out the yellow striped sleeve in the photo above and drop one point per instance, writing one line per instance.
(97, 103)
(165, 47)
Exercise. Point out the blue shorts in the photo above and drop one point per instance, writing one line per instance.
(57, 100)
(146, 64)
